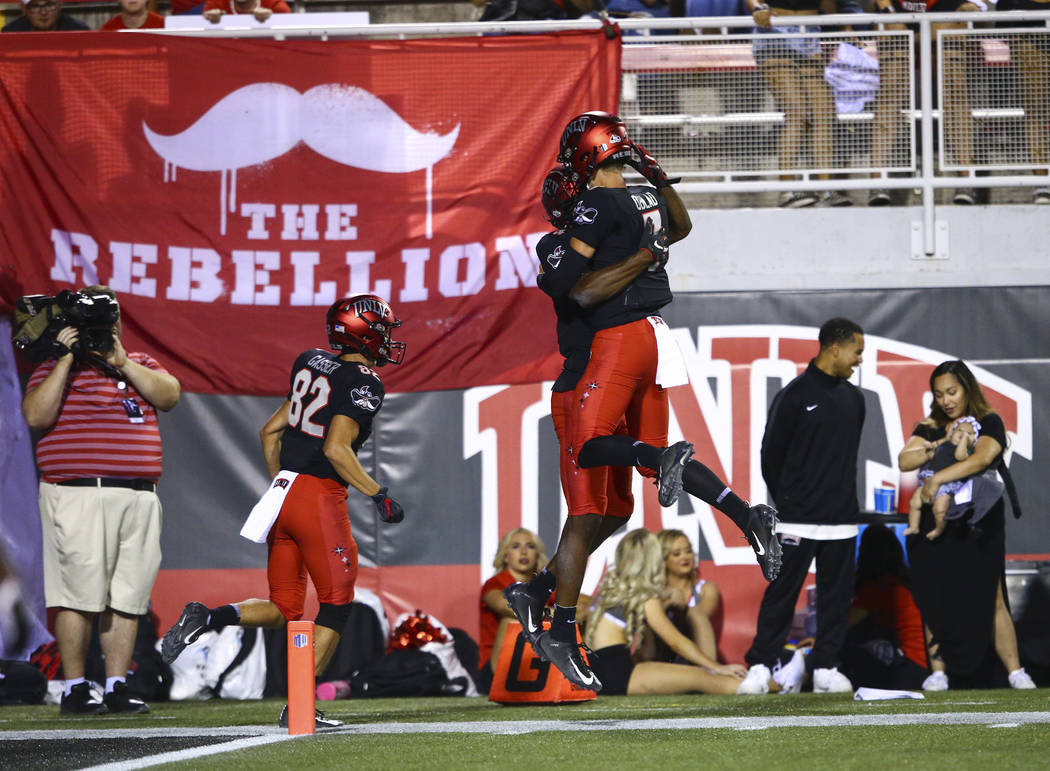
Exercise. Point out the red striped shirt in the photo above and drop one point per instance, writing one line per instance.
(93, 436)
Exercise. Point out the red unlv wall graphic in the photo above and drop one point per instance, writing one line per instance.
(732, 371)
(239, 187)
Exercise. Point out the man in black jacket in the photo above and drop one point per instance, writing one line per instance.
(809, 463)
(44, 16)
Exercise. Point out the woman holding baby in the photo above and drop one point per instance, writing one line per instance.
(959, 575)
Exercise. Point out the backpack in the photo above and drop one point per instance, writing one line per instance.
(404, 672)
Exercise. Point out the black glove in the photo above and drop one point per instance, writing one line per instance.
(655, 242)
(647, 166)
(389, 510)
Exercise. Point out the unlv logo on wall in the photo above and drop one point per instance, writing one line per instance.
(241, 186)
(733, 372)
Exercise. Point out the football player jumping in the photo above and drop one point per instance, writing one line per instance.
(310, 445)
(618, 387)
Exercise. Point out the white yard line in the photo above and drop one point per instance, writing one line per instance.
(263, 734)
(192, 753)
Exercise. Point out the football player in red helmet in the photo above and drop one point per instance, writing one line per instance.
(591, 139)
(310, 445)
(362, 324)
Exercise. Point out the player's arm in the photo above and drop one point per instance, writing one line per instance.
(680, 223)
(338, 448)
(597, 286)
(270, 435)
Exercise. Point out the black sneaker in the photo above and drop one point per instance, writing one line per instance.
(81, 701)
(120, 699)
(320, 721)
(566, 657)
(191, 625)
(528, 609)
(672, 464)
(762, 535)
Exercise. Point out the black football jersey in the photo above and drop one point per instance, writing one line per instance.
(560, 268)
(321, 387)
(611, 220)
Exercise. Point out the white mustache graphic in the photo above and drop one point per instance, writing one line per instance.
(263, 121)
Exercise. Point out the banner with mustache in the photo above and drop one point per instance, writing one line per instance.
(231, 190)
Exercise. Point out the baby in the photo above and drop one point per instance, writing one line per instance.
(956, 446)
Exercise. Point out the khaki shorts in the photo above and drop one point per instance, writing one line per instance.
(101, 547)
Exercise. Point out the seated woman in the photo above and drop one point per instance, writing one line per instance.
(885, 646)
(520, 554)
(627, 609)
(690, 601)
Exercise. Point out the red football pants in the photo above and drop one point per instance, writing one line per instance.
(588, 490)
(311, 535)
(619, 384)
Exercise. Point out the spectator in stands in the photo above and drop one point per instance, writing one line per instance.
(794, 69)
(135, 14)
(1031, 54)
(44, 16)
(100, 459)
(260, 9)
(885, 646)
(690, 600)
(628, 608)
(520, 554)
(888, 125)
(958, 579)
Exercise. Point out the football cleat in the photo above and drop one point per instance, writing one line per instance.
(191, 624)
(566, 657)
(320, 721)
(672, 464)
(762, 535)
(528, 609)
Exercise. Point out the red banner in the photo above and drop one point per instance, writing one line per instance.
(230, 190)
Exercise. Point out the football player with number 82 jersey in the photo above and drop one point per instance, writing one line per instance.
(310, 445)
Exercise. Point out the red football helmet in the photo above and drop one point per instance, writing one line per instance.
(559, 191)
(362, 324)
(590, 140)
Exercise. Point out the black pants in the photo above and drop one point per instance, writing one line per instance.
(834, 594)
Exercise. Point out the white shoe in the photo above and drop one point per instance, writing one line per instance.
(938, 681)
(830, 681)
(756, 682)
(1021, 680)
(790, 677)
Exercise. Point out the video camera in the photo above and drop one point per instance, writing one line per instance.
(39, 319)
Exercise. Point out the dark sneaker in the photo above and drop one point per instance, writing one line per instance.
(672, 464)
(320, 721)
(120, 699)
(879, 198)
(81, 701)
(528, 609)
(966, 196)
(762, 535)
(566, 657)
(191, 625)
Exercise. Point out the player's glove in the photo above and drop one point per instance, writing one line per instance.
(388, 509)
(646, 165)
(655, 242)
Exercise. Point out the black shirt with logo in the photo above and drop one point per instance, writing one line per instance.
(612, 221)
(322, 386)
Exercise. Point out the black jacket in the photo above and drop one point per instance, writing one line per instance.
(809, 449)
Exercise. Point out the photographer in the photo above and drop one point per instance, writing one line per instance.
(100, 458)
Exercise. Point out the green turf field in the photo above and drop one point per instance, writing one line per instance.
(999, 729)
